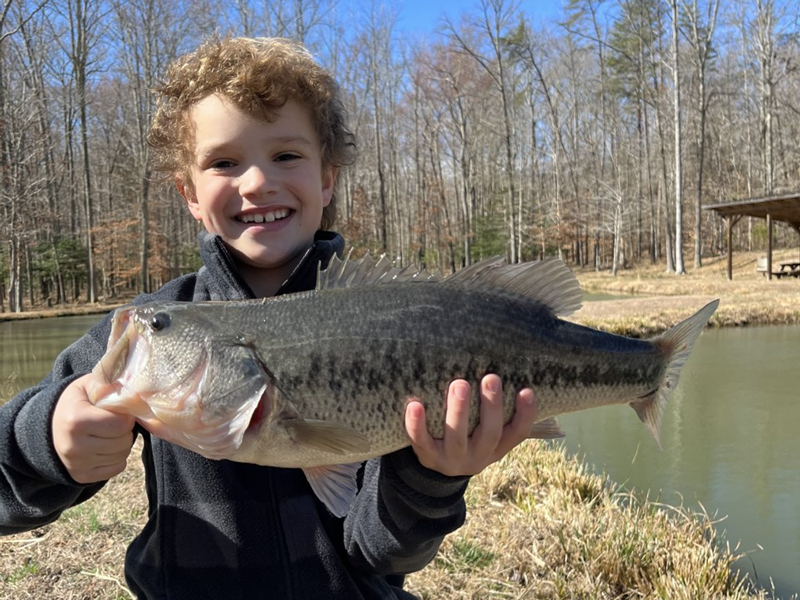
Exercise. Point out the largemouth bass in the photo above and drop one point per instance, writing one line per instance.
(320, 380)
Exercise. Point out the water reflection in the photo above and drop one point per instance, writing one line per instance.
(730, 444)
(29, 347)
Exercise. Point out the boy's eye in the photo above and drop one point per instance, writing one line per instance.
(222, 164)
(287, 156)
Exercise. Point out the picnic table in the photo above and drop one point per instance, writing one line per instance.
(786, 268)
(790, 267)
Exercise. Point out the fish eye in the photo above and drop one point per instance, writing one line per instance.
(159, 321)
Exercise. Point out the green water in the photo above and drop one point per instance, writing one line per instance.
(730, 443)
(730, 434)
(28, 348)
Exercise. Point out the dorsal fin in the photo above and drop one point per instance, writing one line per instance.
(549, 282)
(368, 271)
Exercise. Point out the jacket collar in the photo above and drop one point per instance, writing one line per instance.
(225, 282)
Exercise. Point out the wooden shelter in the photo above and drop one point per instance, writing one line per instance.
(784, 208)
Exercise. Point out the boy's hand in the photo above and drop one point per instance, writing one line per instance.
(93, 443)
(459, 453)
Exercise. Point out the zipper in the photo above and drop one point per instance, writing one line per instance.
(285, 559)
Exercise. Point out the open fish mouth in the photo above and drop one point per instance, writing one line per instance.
(175, 413)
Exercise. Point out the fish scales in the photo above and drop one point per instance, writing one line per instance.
(388, 343)
(320, 380)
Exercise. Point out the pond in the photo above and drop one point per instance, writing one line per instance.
(730, 444)
(29, 346)
(729, 436)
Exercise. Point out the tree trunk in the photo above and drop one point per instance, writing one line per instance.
(676, 91)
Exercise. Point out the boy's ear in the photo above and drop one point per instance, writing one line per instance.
(191, 200)
(328, 184)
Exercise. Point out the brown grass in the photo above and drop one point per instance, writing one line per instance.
(540, 525)
(80, 556)
(661, 299)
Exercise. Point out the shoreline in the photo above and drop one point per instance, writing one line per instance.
(74, 310)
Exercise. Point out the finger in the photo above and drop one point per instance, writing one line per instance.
(518, 430)
(490, 429)
(121, 445)
(424, 445)
(104, 424)
(74, 413)
(100, 461)
(90, 451)
(457, 419)
(99, 473)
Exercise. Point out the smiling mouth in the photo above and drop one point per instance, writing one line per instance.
(269, 217)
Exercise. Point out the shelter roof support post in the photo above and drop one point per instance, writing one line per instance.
(796, 227)
(769, 246)
(730, 221)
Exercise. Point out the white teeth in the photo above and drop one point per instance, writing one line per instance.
(265, 218)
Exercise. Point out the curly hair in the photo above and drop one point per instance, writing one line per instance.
(258, 75)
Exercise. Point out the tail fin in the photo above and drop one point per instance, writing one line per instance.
(676, 344)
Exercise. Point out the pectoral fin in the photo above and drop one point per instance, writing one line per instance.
(335, 485)
(327, 437)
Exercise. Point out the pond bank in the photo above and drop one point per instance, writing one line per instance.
(61, 311)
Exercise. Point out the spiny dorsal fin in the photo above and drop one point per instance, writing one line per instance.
(368, 271)
(549, 282)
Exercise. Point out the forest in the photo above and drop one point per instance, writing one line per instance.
(596, 136)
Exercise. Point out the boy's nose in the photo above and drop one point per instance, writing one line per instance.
(256, 180)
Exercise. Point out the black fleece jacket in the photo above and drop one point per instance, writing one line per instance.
(227, 530)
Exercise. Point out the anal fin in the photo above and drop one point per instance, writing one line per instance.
(649, 408)
(548, 429)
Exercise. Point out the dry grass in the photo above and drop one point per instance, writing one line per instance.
(80, 556)
(540, 525)
(664, 299)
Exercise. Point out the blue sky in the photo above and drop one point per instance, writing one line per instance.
(424, 15)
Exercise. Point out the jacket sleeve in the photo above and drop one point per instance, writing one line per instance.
(402, 513)
(35, 487)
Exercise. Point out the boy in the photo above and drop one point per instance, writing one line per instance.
(253, 133)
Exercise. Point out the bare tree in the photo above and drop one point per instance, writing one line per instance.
(701, 34)
(495, 19)
(766, 34)
(297, 19)
(86, 21)
(19, 145)
(676, 123)
(147, 42)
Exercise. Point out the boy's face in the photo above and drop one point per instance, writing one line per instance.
(260, 186)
